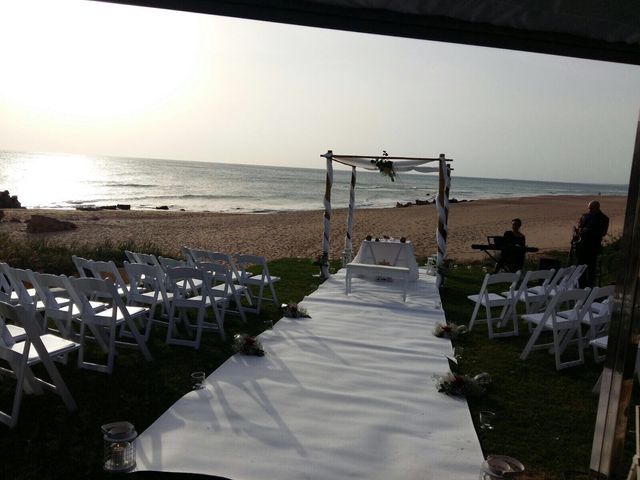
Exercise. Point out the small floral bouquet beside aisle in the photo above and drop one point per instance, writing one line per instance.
(449, 330)
(321, 260)
(457, 384)
(293, 310)
(247, 345)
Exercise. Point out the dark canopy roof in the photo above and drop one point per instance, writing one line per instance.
(594, 29)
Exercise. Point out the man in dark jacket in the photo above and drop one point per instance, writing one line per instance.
(592, 227)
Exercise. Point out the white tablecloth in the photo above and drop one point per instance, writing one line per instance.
(389, 252)
(348, 393)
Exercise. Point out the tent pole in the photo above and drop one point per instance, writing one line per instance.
(622, 348)
(347, 255)
(326, 244)
(442, 200)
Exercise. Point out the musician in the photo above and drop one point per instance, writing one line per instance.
(513, 251)
(591, 229)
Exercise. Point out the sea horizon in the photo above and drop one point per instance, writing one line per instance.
(71, 181)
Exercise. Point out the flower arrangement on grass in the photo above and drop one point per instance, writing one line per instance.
(450, 330)
(457, 384)
(321, 260)
(247, 345)
(293, 310)
(385, 166)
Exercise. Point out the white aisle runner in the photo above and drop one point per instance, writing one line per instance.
(348, 393)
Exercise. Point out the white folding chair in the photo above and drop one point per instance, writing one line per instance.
(208, 256)
(55, 292)
(596, 315)
(573, 280)
(167, 263)
(258, 280)
(226, 259)
(6, 291)
(7, 294)
(550, 287)
(111, 324)
(83, 266)
(131, 256)
(223, 289)
(19, 285)
(148, 259)
(24, 293)
(489, 298)
(147, 288)
(532, 290)
(20, 356)
(564, 329)
(108, 270)
(186, 253)
(182, 280)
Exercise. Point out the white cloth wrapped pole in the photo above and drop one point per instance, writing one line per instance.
(326, 244)
(442, 201)
(348, 239)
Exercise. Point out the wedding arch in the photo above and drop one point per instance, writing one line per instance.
(387, 165)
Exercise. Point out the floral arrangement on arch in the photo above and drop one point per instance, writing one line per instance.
(293, 310)
(385, 166)
(247, 345)
(457, 384)
(449, 330)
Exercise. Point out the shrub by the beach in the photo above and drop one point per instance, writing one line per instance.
(47, 255)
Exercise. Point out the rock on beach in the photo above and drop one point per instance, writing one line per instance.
(44, 224)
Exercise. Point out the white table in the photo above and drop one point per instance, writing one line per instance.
(388, 252)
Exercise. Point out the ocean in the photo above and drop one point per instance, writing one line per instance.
(46, 180)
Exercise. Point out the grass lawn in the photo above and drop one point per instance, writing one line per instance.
(543, 417)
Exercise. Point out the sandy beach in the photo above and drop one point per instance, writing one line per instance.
(547, 224)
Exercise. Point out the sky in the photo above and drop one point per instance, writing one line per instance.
(102, 79)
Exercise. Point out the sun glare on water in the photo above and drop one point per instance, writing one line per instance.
(52, 179)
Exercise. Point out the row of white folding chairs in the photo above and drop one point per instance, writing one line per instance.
(552, 303)
(200, 287)
(256, 283)
(29, 301)
(505, 290)
(80, 309)
(565, 316)
(151, 285)
(223, 275)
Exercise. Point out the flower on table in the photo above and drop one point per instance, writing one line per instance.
(247, 345)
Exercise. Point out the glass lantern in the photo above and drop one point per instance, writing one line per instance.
(432, 267)
(119, 447)
(499, 467)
